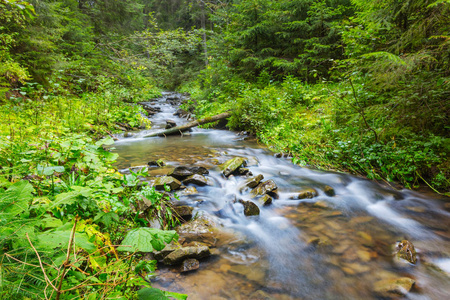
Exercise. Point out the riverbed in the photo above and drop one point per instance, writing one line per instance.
(332, 246)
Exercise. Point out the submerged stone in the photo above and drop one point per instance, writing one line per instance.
(189, 264)
(232, 165)
(405, 250)
(169, 181)
(392, 288)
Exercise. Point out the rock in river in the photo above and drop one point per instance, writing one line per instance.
(329, 191)
(196, 179)
(232, 165)
(189, 264)
(171, 182)
(393, 288)
(405, 250)
(181, 254)
(307, 193)
(253, 182)
(180, 172)
(250, 208)
(264, 188)
(183, 211)
(265, 200)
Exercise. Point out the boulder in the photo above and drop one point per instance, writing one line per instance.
(180, 172)
(265, 200)
(202, 229)
(169, 248)
(307, 193)
(405, 250)
(393, 288)
(170, 124)
(189, 264)
(181, 254)
(329, 191)
(171, 182)
(190, 190)
(232, 165)
(264, 188)
(250, 208)
(183, 211)
(196, 179)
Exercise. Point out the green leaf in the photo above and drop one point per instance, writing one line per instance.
(57, 239)
(106, 218)
(15, 199)
(156, 294)
(106, 141)
(49, 170)
(71, 197)
(146, 239)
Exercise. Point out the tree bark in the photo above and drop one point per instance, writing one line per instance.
(180, 129)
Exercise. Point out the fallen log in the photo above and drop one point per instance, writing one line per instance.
(180, 129)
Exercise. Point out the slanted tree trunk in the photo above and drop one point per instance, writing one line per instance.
(180, 129)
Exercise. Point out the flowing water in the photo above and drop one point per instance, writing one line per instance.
(328, 247)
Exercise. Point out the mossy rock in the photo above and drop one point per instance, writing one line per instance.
(264, 188)
(393, 288)
(232, 165)
(307, 194)
(250, 208)
(179, 255)
(169, 181)
(405, 250)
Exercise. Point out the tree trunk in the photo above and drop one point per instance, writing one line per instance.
(180, 129)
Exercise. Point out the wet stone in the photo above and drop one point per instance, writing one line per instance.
(199, 170)
(170, 124)
(244, 172)
(329, 191)
(265, 200)
(252, 182)
(307, 194)
(190, 190)
(264, 188)
(190, 264)
(169, 181)
(232, 165)
(196, 179)
(183, 211)
(405, 250)
(250, 208)
(181, 254)
(180, 172)
(392, 288)
(156, 163)
(159, 255)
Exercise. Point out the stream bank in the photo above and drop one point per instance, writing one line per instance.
(321, 245)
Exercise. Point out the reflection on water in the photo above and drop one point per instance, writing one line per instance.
(321, 248)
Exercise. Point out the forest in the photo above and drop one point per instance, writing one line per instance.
(345, 85)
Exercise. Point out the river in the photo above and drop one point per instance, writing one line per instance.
(327, 247)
